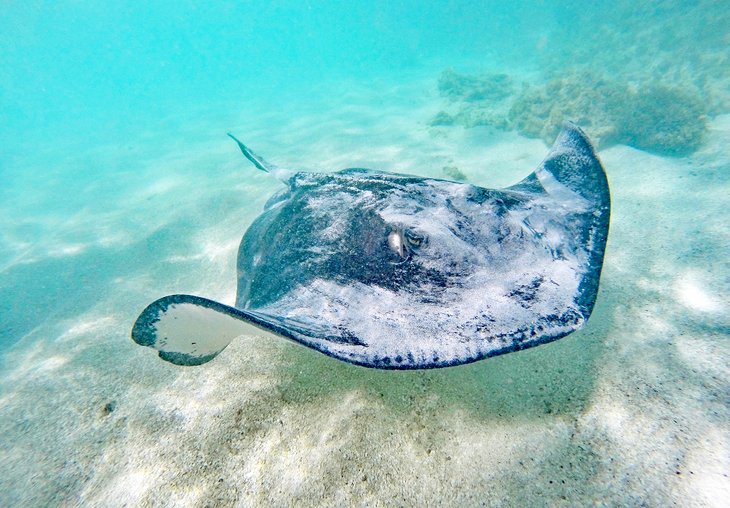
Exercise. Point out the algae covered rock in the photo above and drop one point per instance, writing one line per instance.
(590, 101)
(655, 118)
(489, 87)
(442, 119)
(474, 100)
(472, 116)
(665, 120)
(481, 116)
(454, 173)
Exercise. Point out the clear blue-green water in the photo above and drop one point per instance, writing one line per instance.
(118, 186)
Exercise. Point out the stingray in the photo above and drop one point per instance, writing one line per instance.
(395, 271)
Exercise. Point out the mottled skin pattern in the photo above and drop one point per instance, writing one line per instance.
(475, 272)
(401, 272)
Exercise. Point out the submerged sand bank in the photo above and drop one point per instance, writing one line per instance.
(631, 410)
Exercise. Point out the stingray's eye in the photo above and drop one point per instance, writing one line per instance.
(414, 238)
(397, 243)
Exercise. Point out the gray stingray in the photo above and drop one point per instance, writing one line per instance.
(400, 272)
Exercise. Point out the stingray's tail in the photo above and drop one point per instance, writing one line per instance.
(260, 163)
(257, 161)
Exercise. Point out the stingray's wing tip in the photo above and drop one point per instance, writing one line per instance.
(572, 162)
(186, 329)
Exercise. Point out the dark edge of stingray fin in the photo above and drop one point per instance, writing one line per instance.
(189, 330)
(573, 163)
(572, 168)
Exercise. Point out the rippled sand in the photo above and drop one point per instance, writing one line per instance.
(631, 410)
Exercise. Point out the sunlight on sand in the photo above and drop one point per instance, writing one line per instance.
(161, 186)
(41, 358)
(708, 466)
(67, 250)
(278, 453)
(220, 251)
(214, 253)
(689, 292)
(131, 487)
(706, 354)
(91, 325)
(49, 364)
(111, 423)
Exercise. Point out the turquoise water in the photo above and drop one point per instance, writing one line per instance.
(107, 70)
(119, 186)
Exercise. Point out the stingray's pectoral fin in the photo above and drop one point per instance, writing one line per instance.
(573, 180)
(572, 166)
(189, 330)
(571, 173)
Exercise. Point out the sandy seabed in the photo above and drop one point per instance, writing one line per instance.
(633, 410)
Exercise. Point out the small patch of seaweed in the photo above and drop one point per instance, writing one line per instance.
(454, 173)
(665, 120)
(488, 87)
